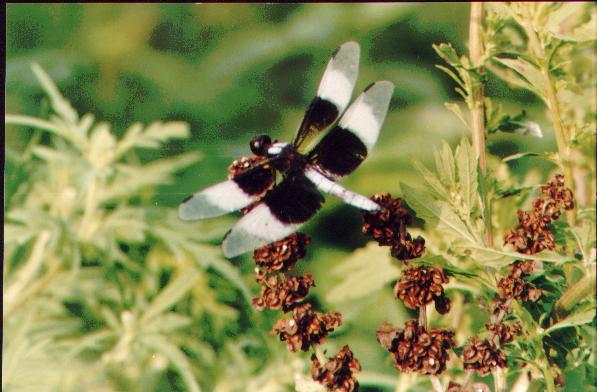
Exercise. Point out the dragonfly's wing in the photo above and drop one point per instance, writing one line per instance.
(333, 94)
(281, 212)
(228, 196)
(346, 145)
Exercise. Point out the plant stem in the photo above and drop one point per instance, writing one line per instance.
(499, 380)
(437, 385)
(537, 48)
(549, 378)
(26, 273)
(423, 317)
(320, 355)
(467, 379)
(477, 108)
(581, 289)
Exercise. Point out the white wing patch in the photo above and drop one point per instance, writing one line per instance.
(218, 199)
(366, 115)
(256, 229)
(330, 187)
(340, 76)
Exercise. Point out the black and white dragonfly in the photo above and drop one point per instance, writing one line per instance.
(281, 210)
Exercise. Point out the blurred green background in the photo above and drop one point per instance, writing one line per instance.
(233, 71)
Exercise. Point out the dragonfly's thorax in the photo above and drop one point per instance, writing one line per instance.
(286, 158)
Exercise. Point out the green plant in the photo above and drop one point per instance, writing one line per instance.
(100, 286)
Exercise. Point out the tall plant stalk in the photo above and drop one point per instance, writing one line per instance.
(477, 109)
(538, 50)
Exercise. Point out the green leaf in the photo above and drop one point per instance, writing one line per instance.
(60, 105)
(445, 166)
(171, 294)
(364, 272)
(448, 54)
(153, 136)
(546, 256)
(529, 76)
(466, 164)
(584, 316)
(435, 213)
(179, 360)
(565, 22)
(441, 261)
(440, 192)
(455, 108)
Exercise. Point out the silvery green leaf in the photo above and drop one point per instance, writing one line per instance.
(466, 164)
(436, 213)
(365, 271)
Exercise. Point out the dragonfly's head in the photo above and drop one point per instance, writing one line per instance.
(260, 144)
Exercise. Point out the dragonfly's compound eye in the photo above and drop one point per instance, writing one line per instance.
(260, 144)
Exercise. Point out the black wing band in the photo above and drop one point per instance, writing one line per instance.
(294, 200)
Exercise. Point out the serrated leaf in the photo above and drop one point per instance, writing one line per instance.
(445, 166)
(455, 108)
(530, 77)
(466, 164)
(435, 213)
(579, 318)
(440, 192)
(364, 272)
(155, 134)
(545, 256)
(448, 53)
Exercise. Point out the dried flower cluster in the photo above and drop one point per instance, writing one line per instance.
(531, 236)
(483, 356)
(282, 255)
(306, 328)
(414, 348)
(420, 286)
(515, 286)
(281, 291)
(338, 373)
(388, 227)
(533, 233)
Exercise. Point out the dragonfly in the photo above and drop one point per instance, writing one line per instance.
(343, 136)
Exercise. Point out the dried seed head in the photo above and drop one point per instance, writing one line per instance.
(533, 233)
(306, 328)
(282, 255)
(338, 373)
(504, 332)
(407, 249)
(282, 292)
(387, 224)
(416, 349)
(422, 285)
(483, 356)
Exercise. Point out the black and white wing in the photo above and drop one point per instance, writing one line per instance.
(280, 213)
(333, 94)
(228, 196)
(346, 145)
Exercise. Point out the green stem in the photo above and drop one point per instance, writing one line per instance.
(583, 288)
(537, 48)
(477, 108)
